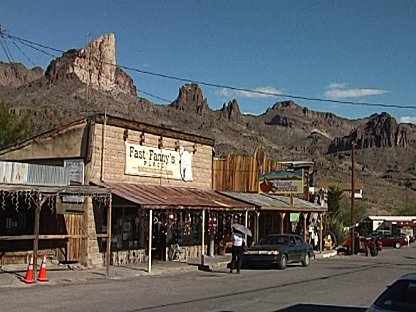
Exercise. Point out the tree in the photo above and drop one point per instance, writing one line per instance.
(335, 196)
(335, 219)
(361, 207)
(14, 128)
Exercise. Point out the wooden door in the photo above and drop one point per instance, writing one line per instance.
(73, 227)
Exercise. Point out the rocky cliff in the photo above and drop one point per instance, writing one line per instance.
(190, 99)
(231, 111)
(94, 65)
(15, 75)
(381, 130)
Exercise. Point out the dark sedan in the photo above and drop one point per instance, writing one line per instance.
(278, 250)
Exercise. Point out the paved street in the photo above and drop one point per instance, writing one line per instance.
(342, 283)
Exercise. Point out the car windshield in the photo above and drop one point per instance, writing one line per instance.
(274, 240)
(401, 296)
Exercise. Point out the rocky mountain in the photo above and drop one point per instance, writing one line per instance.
(15, 75)
(93, 65)
(84, 81)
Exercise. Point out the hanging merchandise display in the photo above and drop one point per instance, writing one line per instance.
(212, 224)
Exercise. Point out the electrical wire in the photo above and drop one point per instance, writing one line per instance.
(154, 96)
(7, 48)
(34, 45)
(24, 54)
(23, 42)
(5, 51)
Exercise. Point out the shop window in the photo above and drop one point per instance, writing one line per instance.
(15, 224)
(125, 229)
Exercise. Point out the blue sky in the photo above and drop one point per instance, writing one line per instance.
(358, 51)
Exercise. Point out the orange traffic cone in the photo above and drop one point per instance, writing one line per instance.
(29, 273)
(42, 272)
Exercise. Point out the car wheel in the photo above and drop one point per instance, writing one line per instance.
(283, 262)
(397, 245)
(306, 260)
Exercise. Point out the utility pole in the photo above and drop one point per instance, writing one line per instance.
(89, 65)
(352, 199)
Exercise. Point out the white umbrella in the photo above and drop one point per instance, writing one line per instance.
(241, 228)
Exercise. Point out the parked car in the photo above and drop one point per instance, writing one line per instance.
(399, 296)
(411, 238)
(396, 241)
(278, 250)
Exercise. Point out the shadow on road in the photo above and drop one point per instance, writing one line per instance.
(320, 308)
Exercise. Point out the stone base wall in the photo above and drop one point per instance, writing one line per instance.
(125, 257)
(93, 256)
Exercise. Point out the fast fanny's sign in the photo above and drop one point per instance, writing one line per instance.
(155, 162)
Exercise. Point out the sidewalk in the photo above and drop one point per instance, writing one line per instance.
(11, 275)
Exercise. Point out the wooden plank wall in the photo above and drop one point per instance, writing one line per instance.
(240, 173)
(74, 227)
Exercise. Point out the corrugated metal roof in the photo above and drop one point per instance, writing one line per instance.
(33, 174)
(274, 202)
(160, 197)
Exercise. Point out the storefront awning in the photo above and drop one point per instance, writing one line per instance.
(162, 197)
(267, 202)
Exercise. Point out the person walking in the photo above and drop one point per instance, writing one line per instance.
(237, 251)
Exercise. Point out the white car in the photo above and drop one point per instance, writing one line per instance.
(399, 296)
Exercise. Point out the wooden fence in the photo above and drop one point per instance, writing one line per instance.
(241, 173)
(237, 173)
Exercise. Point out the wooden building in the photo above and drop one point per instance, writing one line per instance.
(278, 190)
(161, 184)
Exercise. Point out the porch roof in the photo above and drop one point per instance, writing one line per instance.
(269, 202)
(81, 190)
(161, 197)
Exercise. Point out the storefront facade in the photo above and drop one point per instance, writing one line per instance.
(160, 179)
(279, 191)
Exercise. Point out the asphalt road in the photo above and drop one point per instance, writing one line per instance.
(342, 283)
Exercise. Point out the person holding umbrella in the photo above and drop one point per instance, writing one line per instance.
(237, 250)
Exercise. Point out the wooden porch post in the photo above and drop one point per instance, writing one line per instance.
(39, 202)
(257, 226)
(321, 225)
(108, 255)
(203, 238)
(149, 265)
(282, 218)
(246, 224)
(305, 216)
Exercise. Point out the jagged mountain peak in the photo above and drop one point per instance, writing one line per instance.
(380, 130)
(94, 65)
(231, 111)
(285, 105)
(16, 74)
(191, 99)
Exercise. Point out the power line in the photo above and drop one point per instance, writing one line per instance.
(24, 54)
(2, 43)
(154, 96)
(33, 45)
(24, 42)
